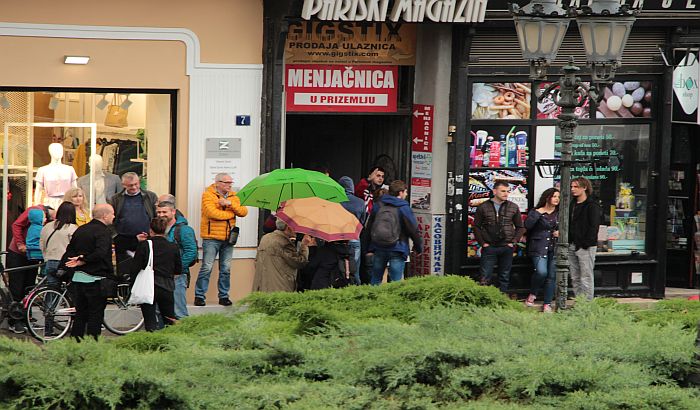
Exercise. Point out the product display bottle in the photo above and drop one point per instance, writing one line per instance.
(521, 147)
(502, 160)
(512, 152)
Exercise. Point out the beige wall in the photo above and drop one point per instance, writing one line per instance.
(229, 31)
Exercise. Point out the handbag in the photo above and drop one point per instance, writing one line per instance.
(233, 235)
(116, 115)
(143, 289)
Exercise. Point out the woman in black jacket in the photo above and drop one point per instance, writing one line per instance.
(166, 264)
(542, 233)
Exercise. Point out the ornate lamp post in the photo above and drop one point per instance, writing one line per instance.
(541, 26)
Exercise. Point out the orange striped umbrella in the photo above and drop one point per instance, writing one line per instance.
(320, 218)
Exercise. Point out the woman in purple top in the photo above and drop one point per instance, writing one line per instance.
(542, 232)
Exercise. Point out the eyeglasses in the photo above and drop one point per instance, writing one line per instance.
(226, 182)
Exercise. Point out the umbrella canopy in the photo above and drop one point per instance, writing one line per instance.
(270, 190)
(320, 218)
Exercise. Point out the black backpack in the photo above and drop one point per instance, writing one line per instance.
(386, 227)
(178, 239)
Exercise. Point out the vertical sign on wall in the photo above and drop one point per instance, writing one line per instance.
(421, 263)
(438, 249)
(686, 94)
(422, 155)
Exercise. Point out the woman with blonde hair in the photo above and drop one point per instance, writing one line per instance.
(76, 196)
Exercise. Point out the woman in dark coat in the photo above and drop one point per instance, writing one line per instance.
(326, 264)
(166, 264)
(542, 232)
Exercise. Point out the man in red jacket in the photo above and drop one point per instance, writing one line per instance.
(366, 187)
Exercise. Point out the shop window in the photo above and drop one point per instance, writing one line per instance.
(133, 134)
(628, 99)
(619, 178)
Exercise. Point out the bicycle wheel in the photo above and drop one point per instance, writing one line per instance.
(49, 314)
(120, 316)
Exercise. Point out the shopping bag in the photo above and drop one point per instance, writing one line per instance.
(116, 115)
(143, 289)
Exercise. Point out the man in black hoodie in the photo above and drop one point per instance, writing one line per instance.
(584, 220)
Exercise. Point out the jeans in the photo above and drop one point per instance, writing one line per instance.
(210, 248)
(180, 296)
(545, 274)
(396, 261)
(489, 256)
(355, 248)
(581, 263)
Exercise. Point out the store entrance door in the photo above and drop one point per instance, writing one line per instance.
(349, 144)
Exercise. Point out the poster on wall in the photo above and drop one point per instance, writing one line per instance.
(222, 155)
(339, 88)
(548, 110)
(420, 193)
(349, 42)
(501, 101)
(628, 99)
(422, 164)
(685, 88)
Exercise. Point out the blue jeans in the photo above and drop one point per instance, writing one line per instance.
(180, 296)
(210, 248)
(396, 261)
(489, 256)
(49, 269)
(355, 248)
(545, 274)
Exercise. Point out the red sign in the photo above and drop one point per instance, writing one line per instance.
(341, 88)
(422, 130)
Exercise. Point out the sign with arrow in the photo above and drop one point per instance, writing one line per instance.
(422, 128)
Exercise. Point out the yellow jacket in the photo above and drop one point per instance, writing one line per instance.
(216, 219)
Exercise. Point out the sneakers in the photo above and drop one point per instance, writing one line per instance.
(530, 301)
(199, 302)
(547, 308)
(225, 302)
(18, 328)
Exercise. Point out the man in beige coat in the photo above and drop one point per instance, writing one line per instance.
(278, 260)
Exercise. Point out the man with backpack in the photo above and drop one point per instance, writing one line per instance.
(180, 232)
(391, 224)
(498, 226)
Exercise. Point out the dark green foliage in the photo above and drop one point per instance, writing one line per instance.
(420, 344)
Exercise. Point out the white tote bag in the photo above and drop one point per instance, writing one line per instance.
(142, 291)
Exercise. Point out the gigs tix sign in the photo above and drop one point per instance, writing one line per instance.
(339, 88)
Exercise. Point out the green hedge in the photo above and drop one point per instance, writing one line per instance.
(438, 343)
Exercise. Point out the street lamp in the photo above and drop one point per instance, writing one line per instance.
(541, 26)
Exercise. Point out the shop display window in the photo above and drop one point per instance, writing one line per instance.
(40, 161)
(619, 178)
(497, 153)
(501, 101)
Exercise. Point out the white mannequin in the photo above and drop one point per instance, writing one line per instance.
(53, 180)
(106, 184)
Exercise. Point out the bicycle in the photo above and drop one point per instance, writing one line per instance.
(10, 308)
(50, 312)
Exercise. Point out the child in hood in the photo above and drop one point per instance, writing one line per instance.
(36, 223)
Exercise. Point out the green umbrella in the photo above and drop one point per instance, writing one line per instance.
(269, 190)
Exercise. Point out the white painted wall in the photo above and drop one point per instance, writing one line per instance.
(216, 97)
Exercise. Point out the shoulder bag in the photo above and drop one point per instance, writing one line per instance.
(143, 289)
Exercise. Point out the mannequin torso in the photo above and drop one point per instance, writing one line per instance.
(53, 180)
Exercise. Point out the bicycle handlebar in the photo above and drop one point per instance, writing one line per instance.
(20, 268)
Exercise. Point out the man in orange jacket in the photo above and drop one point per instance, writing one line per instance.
(220, 207)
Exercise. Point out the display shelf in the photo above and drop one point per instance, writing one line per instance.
(497, 168)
